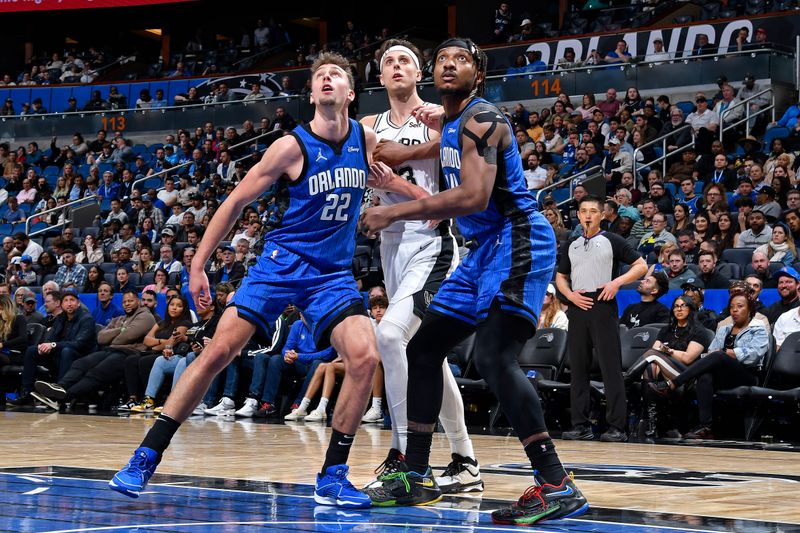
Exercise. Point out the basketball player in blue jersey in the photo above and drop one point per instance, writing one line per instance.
(322, 171)
(416, 259)
(497, 291)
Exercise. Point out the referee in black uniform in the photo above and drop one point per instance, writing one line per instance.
(588, 277)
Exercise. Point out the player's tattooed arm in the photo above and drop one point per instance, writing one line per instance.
(489, 132)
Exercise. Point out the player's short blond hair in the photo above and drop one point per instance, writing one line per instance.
(332, 58)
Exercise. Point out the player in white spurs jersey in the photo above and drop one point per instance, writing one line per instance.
(416, 258)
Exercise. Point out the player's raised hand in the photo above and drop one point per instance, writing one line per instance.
(380, 175)
(430, 115)
(373, 220)
(198, 287)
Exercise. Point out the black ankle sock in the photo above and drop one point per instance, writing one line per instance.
(160, 435)
(338, 449)
(418, 450)
(544, 459)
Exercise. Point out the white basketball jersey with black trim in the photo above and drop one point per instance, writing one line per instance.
(424, 173)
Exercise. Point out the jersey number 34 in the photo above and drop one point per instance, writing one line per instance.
(336, 207)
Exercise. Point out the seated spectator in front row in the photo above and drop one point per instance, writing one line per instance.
(552, 316)
(706, 317)
(788, 279)
(677, 346)
(123, 337)
(737, 351)
(71, 337)
(13, 336)
(70, 271)
(198, 337)
(300, 357)
(166, 338)
(649, 311)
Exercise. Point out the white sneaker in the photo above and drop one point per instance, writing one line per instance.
(248, 409)
(317, 415)
(200, 409)
(225, 407)
(463, 474)
(374, 414)
(296, 414)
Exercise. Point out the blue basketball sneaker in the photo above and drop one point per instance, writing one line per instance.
(333, 488)
(132, 479)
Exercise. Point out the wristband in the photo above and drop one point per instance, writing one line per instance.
(52, 345)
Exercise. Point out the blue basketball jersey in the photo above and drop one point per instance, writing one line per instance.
(322, 205)
(510, 199)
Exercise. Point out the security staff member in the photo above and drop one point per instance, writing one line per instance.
(588, 278)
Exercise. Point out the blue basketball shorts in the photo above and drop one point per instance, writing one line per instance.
(513, 266)
(280, 277)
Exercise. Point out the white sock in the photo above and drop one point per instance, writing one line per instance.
(304, 404)
(323, 404)
(452, 416)
(377, 402)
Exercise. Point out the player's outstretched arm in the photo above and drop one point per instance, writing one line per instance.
(283, 157)
(485, 136)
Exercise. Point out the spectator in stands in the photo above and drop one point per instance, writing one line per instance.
(765, 202)
(121, 338)
(90, 251)
(678, 271)
(625, 209)
(703, 47)
(736, 351)
(760, 277)
(655, 238)
(687, 244)
(13, 335)
(587, 107)
(658, 194)
(759, 233)
(658, 56)
(792, 217)
(71, 336)
(70, 271)
(105, 308)
(788, 283)
(750, 89)
(13, 212)
(721, 174)
(705, 123)
(780, 248)
(632, 102)
(729, 114)
(610, 106)
(552, 316)
(725, 234)
(553, 216)
(789, 117)
(231, 270)
(616, 162)
(620, 54)
(146, 262)
(94, 277)
(29, 311)
(709, 276)
(502, 23)
(167, 261)
(535, 176)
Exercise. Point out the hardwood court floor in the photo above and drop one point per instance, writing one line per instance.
(703, 481)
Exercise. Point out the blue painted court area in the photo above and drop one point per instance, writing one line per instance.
(61, 500)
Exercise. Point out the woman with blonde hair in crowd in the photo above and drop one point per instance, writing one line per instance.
(553, 216)
(552, 316)
(13, 336)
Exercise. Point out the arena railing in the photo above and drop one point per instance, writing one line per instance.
(569, 181)
(748, 113)
(664, 154)
(96, 198)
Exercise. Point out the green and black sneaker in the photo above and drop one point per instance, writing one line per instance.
(405, 488)
(543, 501)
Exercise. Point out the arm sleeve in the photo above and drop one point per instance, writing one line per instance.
(19, 334)
(564, 265)
(719, 340)
(622, 249)
(293, 341)
(136, 331)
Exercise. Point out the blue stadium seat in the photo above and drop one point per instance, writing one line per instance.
(105, 167)
(153, 183)
(139, 149)
(672, 188)
(52, 170)
(698, 186)
(39, 226)
(155, 146)
(6, 228)
(686, 107)
(559, 195)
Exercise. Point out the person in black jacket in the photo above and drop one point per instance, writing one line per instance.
(232, 270)
(72, 336)
(649, 310)
(13, 336)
